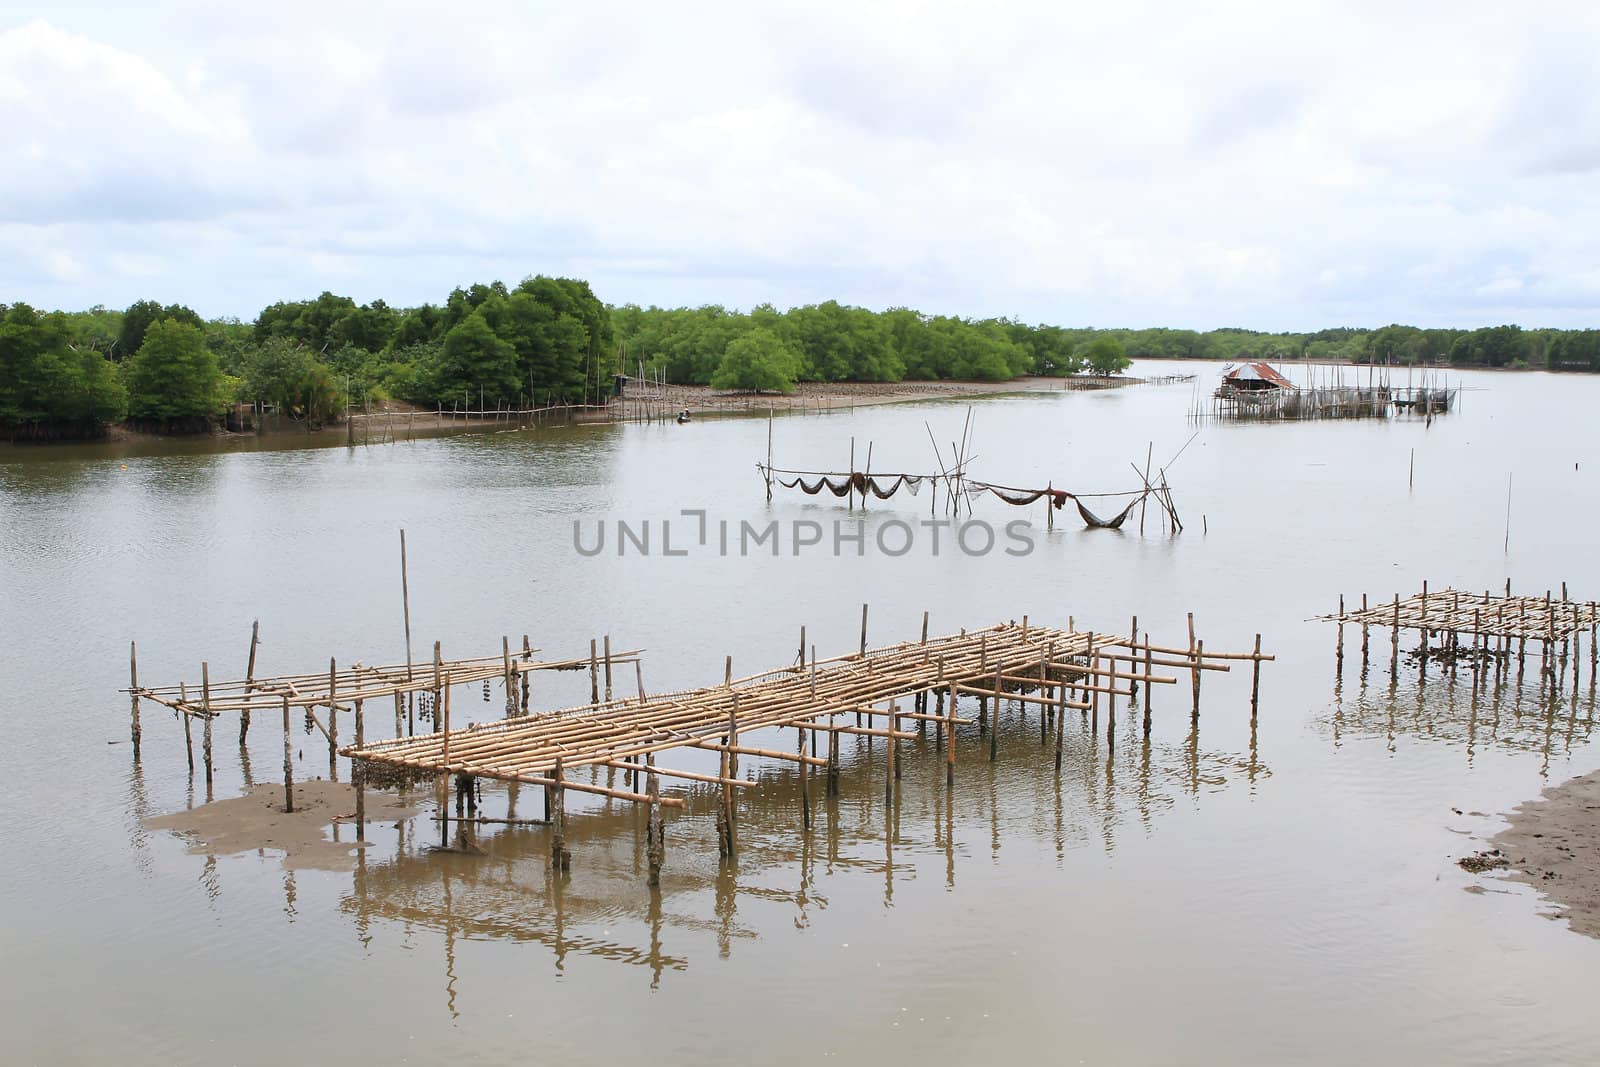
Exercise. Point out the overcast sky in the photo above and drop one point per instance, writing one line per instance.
(1278, 166)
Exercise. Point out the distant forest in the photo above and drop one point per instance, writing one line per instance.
(164, 367)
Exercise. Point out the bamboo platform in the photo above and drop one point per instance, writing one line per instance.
(1483, 630)
(879, 691)
(414, 689)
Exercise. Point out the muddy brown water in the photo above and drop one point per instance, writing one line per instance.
(1221, 895)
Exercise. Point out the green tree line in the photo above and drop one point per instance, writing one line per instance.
(163, 366)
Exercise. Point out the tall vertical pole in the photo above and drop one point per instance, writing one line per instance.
(133, 691)
(205, 703)
(249, 679)
(405, 604)
(288, 762)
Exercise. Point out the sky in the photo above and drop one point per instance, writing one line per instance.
(1273, 166)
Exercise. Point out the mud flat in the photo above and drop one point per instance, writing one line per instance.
(256, 822)
(1553, 844)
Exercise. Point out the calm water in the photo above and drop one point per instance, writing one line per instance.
(1212, 896)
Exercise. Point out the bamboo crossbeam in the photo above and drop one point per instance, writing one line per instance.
(688, 776)
(361, 682)
(1044, 702)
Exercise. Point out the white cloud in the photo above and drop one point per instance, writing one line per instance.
(1237, 164)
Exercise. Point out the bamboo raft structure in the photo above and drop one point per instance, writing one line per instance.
(1481, 630)
(883, 690)
(348, 690)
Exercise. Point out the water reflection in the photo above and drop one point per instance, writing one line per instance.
(866, 849)
(1476, 710)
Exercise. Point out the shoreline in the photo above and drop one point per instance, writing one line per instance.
(1552, 843)
(401, 422)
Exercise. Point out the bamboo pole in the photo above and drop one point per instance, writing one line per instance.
(133, 695)
(188, 731)
(333, 721)
(249, 677)
(359, 777)
(205, 704)
(1255, 680)
(288, 762)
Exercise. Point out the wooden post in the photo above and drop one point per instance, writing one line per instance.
(288, 762)
(1133, 637)
(594, 675)
(1394, 640)
(833, 763)
(188, 726)
(358, 776)
(1339, 648)
(438, 682)
(805, 780)
(1111, 702)
(1199, 651)
(890, 773)
(1061, 718)
(560, 858)
(730, 767)
(527, 658)
(924, 629)
(608, 667)
(333, 722)
(1149, 689)
(1364, 634)
(863, 631)
(1255, 679)
(994, 734)
(507, 677)
(638, 679)
(249, 679)
(655, 832)
(727, 673)
(133, 693)
(205, 703)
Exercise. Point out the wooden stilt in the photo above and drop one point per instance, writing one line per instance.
(833, 763)
(1149, 690)
(863, 631)
(249, 677)
(205, 703)
(560, 858)
(594, 675)
(1199, 651)
(527, 657)
(133, 695)
(1255, 680)
(288, 762)
(655, 831)
(188, 729)
(607, 640)
(333, 722)
(994, 734)
(358, 776)
(805, 780)
(405, 608)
